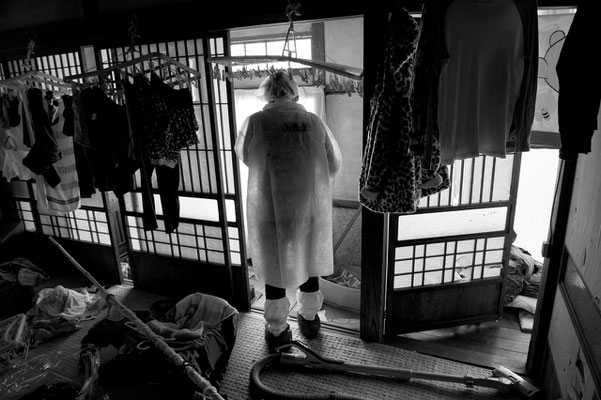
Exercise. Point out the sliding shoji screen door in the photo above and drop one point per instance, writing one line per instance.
(86, 233)
(205, 253)
(447, 262)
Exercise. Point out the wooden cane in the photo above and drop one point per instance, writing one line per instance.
(206, 388)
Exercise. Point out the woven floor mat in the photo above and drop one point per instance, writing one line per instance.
(250, 347)
(61, 355)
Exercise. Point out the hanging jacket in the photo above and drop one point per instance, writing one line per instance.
(392, 179)
(431, 57)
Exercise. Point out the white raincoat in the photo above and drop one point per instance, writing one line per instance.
(292, 156)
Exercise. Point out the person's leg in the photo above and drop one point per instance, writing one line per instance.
(275, 313)
(309, 301)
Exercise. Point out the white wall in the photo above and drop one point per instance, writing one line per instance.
(344, 45)
(344, 117)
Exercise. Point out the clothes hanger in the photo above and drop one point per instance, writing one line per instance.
(37, 79)
(125, 64)
(286, 56)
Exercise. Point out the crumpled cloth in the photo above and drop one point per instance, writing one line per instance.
(198, 316)
(523, 276)
(22, 271)
(59, 310)
(68, 303)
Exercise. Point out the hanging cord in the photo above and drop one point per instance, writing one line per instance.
(291, 9)
(30, 46)
(132, 32)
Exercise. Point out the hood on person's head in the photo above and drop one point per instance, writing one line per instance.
(279, 85)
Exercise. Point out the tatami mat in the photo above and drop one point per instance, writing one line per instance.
(250, 347)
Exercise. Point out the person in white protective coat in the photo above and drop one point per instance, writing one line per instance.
(292, 157)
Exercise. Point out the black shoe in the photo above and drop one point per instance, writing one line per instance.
(274, 341)
(309, 329)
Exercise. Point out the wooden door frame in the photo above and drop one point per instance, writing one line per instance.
(553, 251)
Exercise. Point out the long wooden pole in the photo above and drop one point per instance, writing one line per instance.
(206, 388)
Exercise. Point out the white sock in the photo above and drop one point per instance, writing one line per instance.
(308, 303)
(276, 314)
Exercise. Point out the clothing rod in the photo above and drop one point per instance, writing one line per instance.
(350, 72)
(133, 62)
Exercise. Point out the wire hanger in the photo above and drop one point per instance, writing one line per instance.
(286, 56)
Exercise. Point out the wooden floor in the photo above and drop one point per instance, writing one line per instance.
(488, 344)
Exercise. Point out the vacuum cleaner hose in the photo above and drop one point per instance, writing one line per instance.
(258, 390)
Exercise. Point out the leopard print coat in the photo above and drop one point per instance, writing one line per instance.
(392, 179)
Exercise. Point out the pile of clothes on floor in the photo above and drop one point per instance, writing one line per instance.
(199, 327)
(523, 285)
(50, 311)
(31, 315)
(18, 278)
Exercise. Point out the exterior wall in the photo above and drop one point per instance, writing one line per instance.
(344, 45)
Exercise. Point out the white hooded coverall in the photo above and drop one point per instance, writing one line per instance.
(292, 156)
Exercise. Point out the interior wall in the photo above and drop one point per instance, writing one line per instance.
(572, 370)
(583, 243)
(583, 237)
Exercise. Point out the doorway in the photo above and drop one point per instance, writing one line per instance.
(338, 101)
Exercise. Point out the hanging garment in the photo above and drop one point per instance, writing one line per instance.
(12, 146)
(291, 155)
(475, 77)
(44, 152)
(68, 116)
(392, 179)
(103, 130)
(81, 144)
(168, 120)
(168, 178)
(579, 83)
(64, 197)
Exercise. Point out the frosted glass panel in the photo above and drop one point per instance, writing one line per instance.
(197, 208)
(502, 179)
(449, 223)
